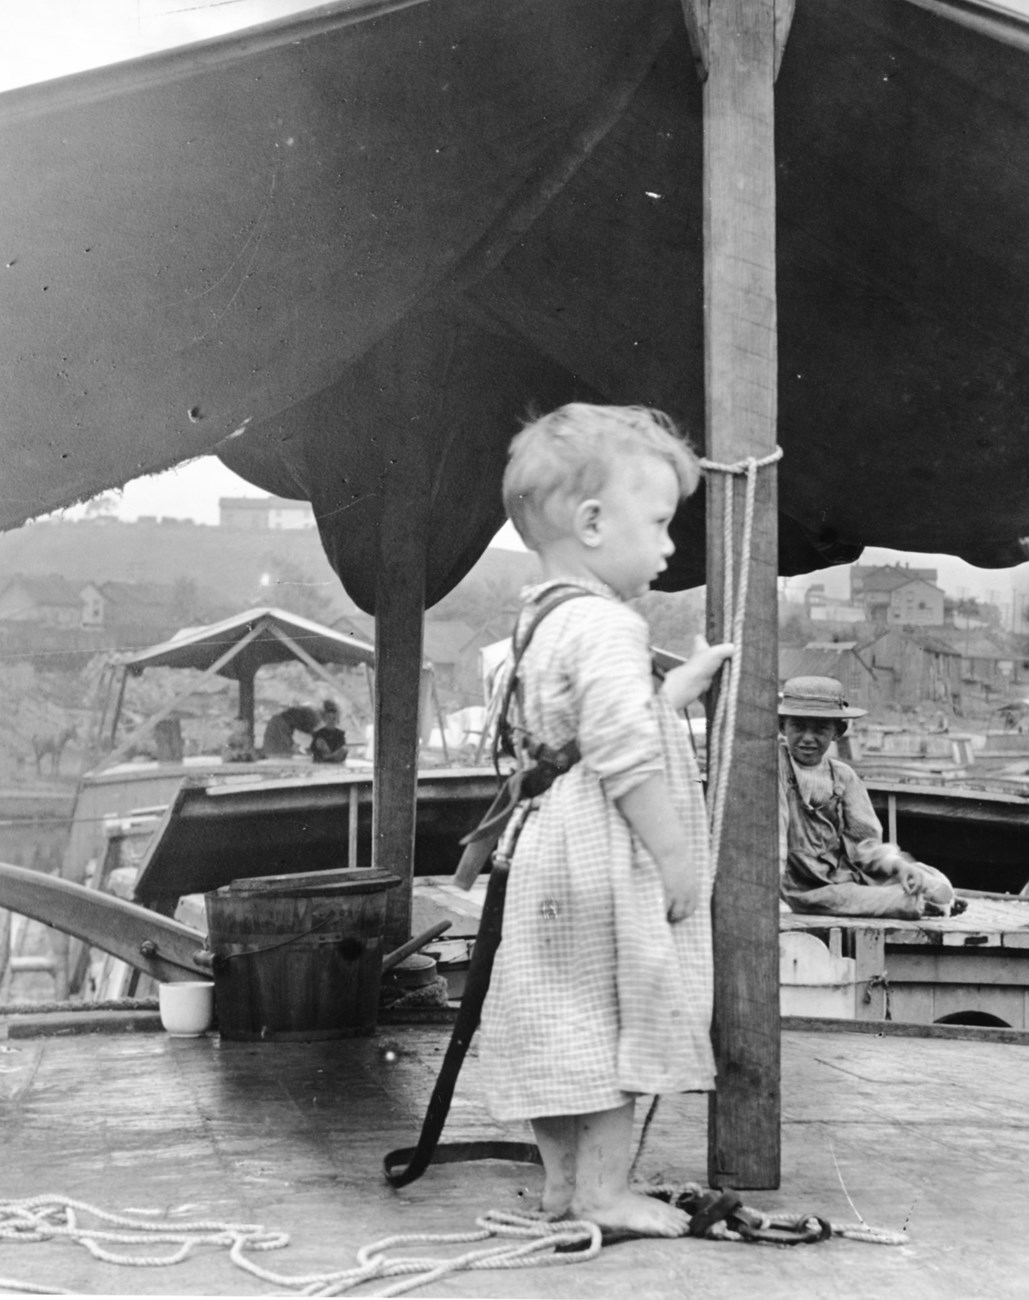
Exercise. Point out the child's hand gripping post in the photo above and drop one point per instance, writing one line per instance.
(689, 681)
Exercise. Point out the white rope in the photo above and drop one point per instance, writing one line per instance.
(864, 1232)
(722, 735)
(734, 610)
(45, 1217)
(539, 1237)
(531, 1241)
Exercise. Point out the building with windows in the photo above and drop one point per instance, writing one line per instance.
(897, 596)
(264, 514)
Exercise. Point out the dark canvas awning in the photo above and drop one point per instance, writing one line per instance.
(352, 286)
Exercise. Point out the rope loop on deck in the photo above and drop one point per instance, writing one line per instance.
(48, 1216)
(526, 1240)
(734, 611)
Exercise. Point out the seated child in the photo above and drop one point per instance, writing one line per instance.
(329, 741)
(831, 846)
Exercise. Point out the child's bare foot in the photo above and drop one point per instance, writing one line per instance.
(635, 1212)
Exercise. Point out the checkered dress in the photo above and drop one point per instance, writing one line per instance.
(595, 997)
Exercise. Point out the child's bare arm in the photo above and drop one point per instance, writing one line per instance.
(690, 680)
(648, 810)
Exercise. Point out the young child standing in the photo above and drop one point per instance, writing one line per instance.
(601, 991)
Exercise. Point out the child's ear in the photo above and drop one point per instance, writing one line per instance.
(587, 521)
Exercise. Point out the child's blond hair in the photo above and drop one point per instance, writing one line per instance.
(568, 456)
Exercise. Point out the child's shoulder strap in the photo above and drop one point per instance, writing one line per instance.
(556, 595)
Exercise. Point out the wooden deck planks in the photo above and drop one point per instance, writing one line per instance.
(993, 921)
(292, 1136)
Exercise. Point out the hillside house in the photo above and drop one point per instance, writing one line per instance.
(47, 602)
(141, 611)
(913, 668)
(871, 577)
(50, 615)
(916, 604)
(990, 661)
(264, 514)
(894, 596)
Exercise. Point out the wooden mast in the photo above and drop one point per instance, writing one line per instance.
(399, 618)
(737, 45)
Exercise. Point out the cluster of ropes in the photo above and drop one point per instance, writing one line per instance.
(734, 611)
(501, 1240)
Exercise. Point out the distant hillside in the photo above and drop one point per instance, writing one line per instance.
(291, 563)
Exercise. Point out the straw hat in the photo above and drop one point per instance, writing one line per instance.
(815, 697)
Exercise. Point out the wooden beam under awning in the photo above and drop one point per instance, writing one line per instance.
(737, 45)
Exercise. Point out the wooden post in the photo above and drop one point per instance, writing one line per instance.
(738, 41)
(246, 703)
(399, 616)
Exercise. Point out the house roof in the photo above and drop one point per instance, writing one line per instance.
(974, 643)
(49, 589)
(885, 577)
(137, 593)
(356, 624)
(917, 582)
(933, 641)
(889, 579)
(818, 660)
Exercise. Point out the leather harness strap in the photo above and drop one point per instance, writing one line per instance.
(405, 1164)
(527, 782)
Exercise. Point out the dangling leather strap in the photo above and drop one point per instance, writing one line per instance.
(405, 1164)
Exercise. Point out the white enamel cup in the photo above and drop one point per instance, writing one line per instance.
(187, 1008)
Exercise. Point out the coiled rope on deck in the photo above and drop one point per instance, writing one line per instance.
(48, 1216)
(526, 1241)
(734, 613)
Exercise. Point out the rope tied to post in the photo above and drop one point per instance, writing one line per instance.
(734, 610)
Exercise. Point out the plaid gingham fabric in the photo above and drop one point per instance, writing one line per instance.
(594, 996)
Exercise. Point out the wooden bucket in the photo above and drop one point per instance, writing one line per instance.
(298, 957)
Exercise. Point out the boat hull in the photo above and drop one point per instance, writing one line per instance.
(979, 838)
(216, 832)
